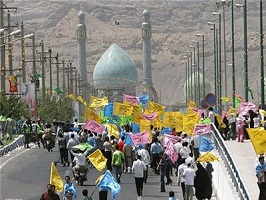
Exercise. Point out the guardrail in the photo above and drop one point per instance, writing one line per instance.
(13, 145)
(230, 165)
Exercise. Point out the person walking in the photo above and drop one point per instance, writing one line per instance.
(108, 153)
(10, 127)
(71, 143)
(27, 132)
(50, 193)
(138, 168)
(117, 162)
(156, 149)
(172, 196)
(189, 175)
(260, 171)
(180, 178)
(128, 153)
(39, 132)
(62, 142)
(145, 157)
(69, 189)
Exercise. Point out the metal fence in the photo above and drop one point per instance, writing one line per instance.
(13, 145)
(230, 164)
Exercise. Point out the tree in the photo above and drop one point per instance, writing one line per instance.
(14, 106)
(55, 108)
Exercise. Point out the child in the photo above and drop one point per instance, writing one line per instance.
(172, 196)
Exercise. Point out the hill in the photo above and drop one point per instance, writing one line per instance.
(174, 27)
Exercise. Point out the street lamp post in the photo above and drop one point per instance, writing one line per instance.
(261, 57)
(214, 56)
(203, 63)
(186, 80)
(224, 3)
(233, 55)
(191, 67)
(194, 72)
(198, 71)
(246, 87)
(219, 66)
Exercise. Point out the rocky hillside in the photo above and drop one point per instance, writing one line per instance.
(175, 24)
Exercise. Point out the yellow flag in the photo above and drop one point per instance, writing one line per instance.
(99, 179)
(226, 99)
(190, 117)
(208, 157)
(98, 160)
(112, 130)
(136, 112)
(170, 119)
(145, 125)
(81, 100)
(192, 104)
(90, 114)
(230, 111)
(55, 178)
(189, 128)
(71, 96)
(155, 107)
(220, 120)
(258, 139)
(122, 109)
(96, 102)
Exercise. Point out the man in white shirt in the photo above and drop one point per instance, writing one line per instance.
(211, 114)
(138, 168)
(181, 179)
(80, 160)
(189, 175)
(195, 141)
(145, 157)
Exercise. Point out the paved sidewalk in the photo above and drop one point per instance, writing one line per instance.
(244, 156)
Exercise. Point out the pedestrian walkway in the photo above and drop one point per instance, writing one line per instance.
(244, 157)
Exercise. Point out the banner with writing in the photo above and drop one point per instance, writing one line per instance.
(140, 138)
(131, 99)
(94, 126)
(122, 109)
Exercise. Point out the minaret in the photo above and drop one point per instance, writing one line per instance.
(82, 36)
(146, 36)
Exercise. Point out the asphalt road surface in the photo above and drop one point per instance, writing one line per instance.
(26, 172)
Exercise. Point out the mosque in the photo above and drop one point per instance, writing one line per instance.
(116, 74)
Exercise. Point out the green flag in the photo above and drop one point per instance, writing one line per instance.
(37, 76)
(82, 146)
(58, 90)
(117, 23)
(237, 101)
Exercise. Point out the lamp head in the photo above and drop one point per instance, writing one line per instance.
(238, 5)
(15, 32)
(210, 23)
(216, 13)
(29, 36)
(2, 31)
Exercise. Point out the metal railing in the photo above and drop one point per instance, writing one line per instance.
(230, 165)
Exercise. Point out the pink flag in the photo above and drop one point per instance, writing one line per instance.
(140, 138)
(170, 138)
(171, 152)
(149, 117)
(94, 126)
(244, 107)
(202, 129)
(131, 99)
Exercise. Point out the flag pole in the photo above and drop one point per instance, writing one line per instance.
(93, 190)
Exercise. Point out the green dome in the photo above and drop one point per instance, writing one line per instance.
(114, 68)
(194, 85)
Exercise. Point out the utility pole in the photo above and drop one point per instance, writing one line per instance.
(43, 72)
(23, 53)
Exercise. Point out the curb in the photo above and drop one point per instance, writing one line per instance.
(13, 145)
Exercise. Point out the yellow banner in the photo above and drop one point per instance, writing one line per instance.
(81, 100)
(230, 111)
(170, 119)
(96, 102)
(155, 107)
(189, 128)
(98, 160)
(192, 104)
(190, 117)
(226, 99)
(208, 157)
(55, 178)
(71, 96)
(220, 120)
(136, 113)
(122, 109)
(112, 130)
(145, 125)
(90, 114)
(258, 139)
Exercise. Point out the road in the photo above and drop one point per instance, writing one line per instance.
(26, 172)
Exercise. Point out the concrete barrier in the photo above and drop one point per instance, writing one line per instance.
(19, 141)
